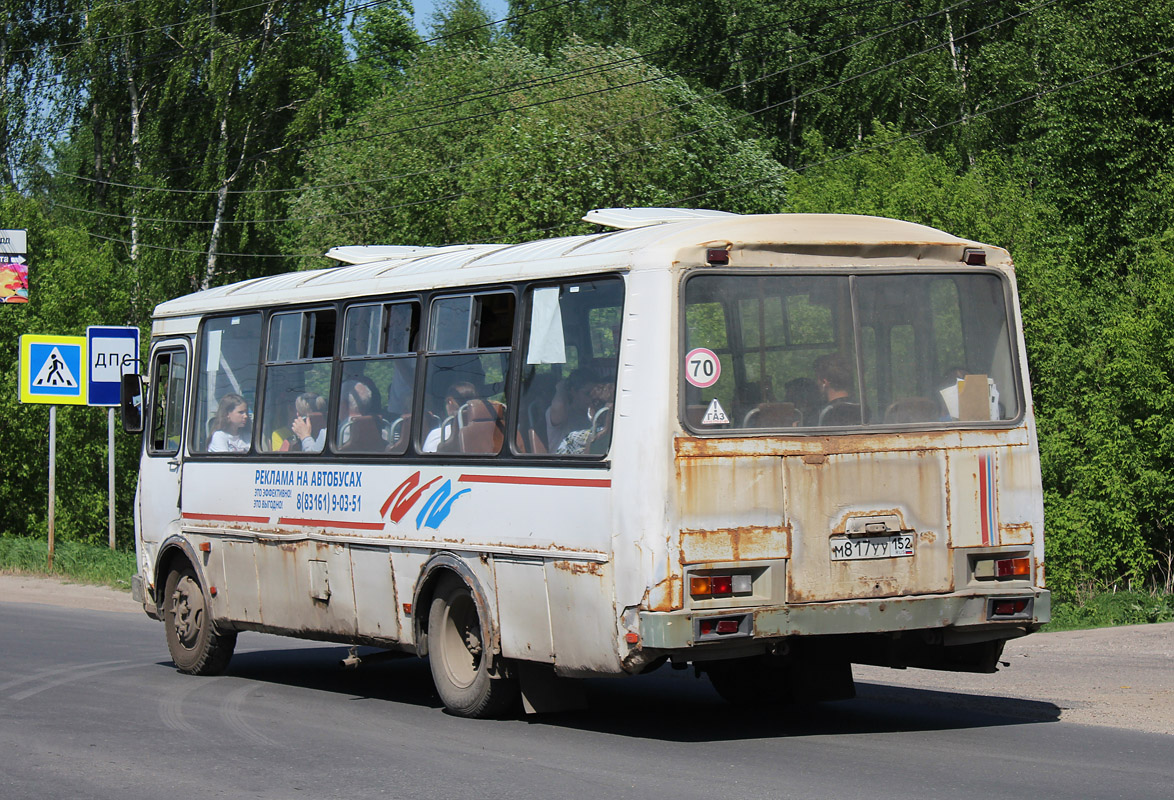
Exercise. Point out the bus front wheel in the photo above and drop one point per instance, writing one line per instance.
(196, 646)
(459, 659)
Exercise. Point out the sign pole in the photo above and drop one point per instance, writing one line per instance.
(110, 451)
(52, 478)
(112, 350)
(53, 372)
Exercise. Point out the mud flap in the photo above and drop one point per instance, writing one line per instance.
(543, 692)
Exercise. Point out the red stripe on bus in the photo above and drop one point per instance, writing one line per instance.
(600, 483)
(226, 518)
(983, 500)
(332, 523)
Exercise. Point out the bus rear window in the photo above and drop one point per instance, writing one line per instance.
(846, 351)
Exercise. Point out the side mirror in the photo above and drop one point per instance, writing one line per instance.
(132, 403)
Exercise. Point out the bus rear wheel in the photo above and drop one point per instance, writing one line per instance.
(458, 656)
(196, 646)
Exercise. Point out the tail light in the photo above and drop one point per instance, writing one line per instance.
(710, 628)
(705, 586)
(1013, 567)
(1009, 608)
(1007, 567)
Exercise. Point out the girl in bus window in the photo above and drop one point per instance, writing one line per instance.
(232, 417)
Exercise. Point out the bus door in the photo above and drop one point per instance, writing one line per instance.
(161, 466)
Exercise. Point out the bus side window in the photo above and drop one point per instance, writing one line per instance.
(572, 342)
(227, 364)
(170, 379)
(300, 364)
(470, 338)
(378, 377)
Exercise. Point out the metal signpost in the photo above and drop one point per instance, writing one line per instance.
(52, 370)
(112, 351)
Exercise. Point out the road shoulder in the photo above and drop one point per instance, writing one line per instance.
(17, 588)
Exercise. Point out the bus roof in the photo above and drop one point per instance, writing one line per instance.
(647, 238)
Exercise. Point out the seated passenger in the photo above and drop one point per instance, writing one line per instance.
(361, 427)
(572, 395)
(834, 379)
(458, 394)
(310, 423)
(805, 396)
(598, 418)
(232, 417)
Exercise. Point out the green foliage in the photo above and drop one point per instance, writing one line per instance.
(462, 24)
(73, 282)
(88, 563)
(1111, 608)
(524, 160)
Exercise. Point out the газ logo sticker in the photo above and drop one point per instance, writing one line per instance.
(435, 510)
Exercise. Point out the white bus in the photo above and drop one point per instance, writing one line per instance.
(768, 446)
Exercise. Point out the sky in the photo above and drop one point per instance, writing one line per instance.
(497, 9)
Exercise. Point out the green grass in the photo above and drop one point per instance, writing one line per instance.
(84, 563)
(1111, 608)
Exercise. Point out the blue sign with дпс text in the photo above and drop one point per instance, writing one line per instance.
(114, 351)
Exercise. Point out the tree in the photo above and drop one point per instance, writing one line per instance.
(462, 24)
(189, 126)
(502, 144)
(74, 281)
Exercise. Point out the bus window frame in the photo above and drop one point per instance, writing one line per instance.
(421, 300)
(1013, 321)
(523, 339)
(519, 339)
(266, 364)
(170, 351)
(194, 390)
(426, 355)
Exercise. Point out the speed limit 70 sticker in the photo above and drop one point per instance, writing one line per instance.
(702, 367)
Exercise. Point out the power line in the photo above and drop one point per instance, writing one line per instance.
(614, 156)
(608, 158)
(744, 184)
(515, 109)
(163, 57)
(933, 128)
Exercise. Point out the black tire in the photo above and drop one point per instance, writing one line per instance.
(459, 661)
(196, 646)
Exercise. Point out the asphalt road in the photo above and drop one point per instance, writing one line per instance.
(91, 707)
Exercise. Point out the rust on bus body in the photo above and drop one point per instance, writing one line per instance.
(735, 491)
(580, 567)
(747, 543)
(666, 595)
(870, 442)
(1016, 533)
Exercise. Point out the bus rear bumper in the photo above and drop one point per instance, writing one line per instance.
(960, 617)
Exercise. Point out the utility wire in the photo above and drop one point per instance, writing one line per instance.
(740, 85)
(686, 199)
(603, 159)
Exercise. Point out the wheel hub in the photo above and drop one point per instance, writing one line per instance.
(187, 609)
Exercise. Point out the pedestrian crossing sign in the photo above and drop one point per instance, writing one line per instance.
(53, 369)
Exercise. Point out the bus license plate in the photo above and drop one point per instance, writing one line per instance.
(858, 548)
